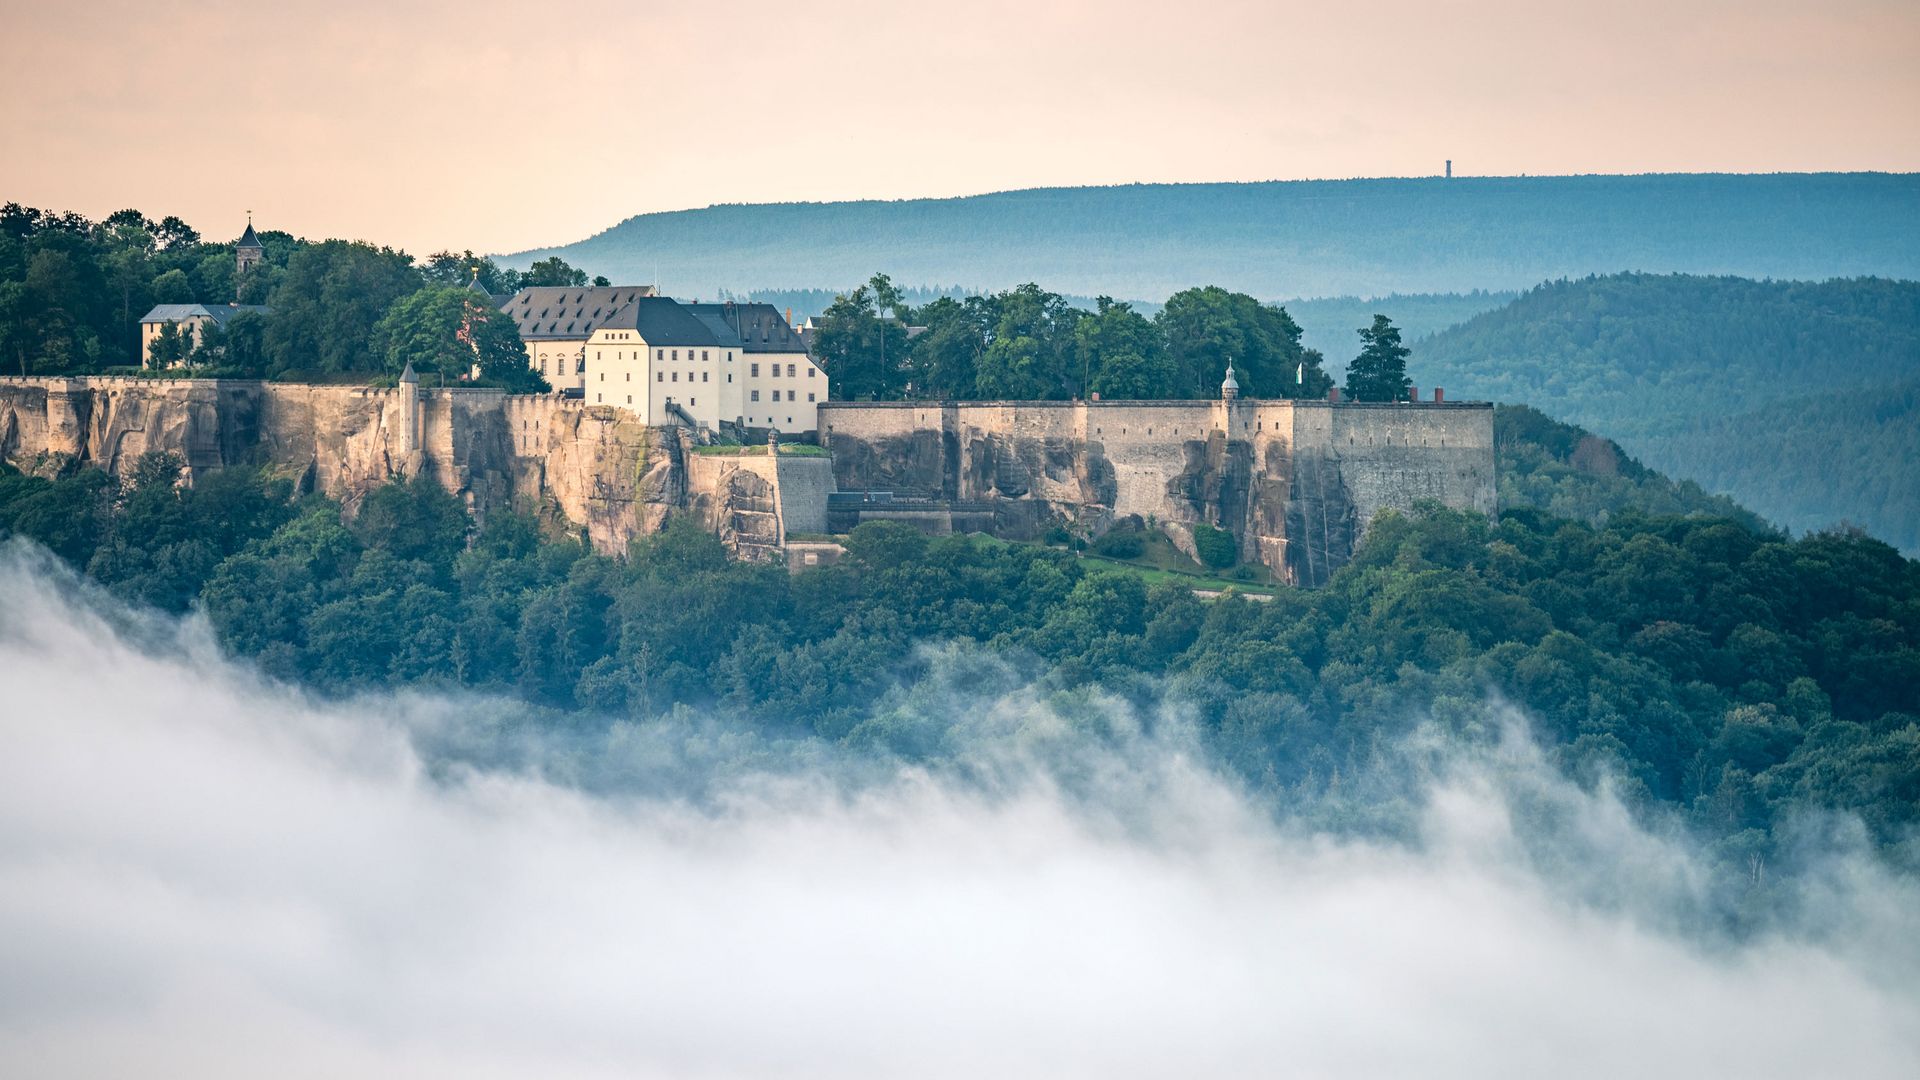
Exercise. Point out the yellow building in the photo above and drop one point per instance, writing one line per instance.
(556, 324)
(190, 319)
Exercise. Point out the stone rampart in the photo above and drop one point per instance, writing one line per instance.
(1296, 482)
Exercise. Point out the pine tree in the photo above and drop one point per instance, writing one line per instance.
(1379, 373)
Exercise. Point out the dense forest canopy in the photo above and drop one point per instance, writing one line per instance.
(1028, 343)
(1729, 675)
(73, 290)
(1794, 397)
(1285, 239)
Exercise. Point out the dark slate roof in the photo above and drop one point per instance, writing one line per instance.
(546, 313)
(723, 332)
(247, 239)
(219, 313)
(663, 321)
(761, 327)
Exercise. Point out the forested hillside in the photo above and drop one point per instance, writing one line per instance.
(1569, 472)
(1845, 456)
(1286, 239)
(1796, 398)
(1328, 324)
(1728, 677)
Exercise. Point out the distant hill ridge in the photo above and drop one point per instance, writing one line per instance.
(1280, 239)
(1800, 399)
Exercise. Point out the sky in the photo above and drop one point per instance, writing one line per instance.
(204, 873)
(502, 126)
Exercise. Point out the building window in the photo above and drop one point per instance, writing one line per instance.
(729, 356)
(729, 376)
(693, 401)
(659, 354)
(596, 398)
(809, 371)
(676, 354)
(580, 365)
(629, 399)
(703, 354)
(754, 370)
(543, 365)
(676, 376)
(659, 376)
(703, 376)
(789, 371)
(603, 376)
(756, 394)
(629, 376)
(809, 396)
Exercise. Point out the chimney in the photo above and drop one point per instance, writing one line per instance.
(1333, 395)
(1439, 395)
(789, 316)
(1413, 394)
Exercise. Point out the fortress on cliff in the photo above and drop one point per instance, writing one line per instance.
(1296, 482)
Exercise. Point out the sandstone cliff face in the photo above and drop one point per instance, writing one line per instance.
(593, 467)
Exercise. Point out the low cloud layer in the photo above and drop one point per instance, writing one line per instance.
(205, 874)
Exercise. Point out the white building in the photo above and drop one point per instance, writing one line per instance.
(705, 365)
(781, 387)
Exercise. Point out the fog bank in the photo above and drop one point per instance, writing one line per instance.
(206, 874)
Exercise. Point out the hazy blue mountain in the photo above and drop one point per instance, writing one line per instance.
(1286, 238)
(1799, 399)
(1332, 324)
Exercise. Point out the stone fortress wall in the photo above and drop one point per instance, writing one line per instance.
(1295, 481)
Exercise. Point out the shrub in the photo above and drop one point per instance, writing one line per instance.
(1215, 546)
(1120, 544)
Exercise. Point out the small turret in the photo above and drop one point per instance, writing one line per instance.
(409, 412)
(1229, 387)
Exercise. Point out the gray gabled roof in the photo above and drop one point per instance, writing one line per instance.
(247, 239)
(723, 332)
(661, 320)
(219, 313)
(548, 313)
(760, 327)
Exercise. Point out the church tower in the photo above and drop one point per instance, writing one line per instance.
(247, 250)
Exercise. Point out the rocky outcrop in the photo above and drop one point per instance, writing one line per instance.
(592, 468)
